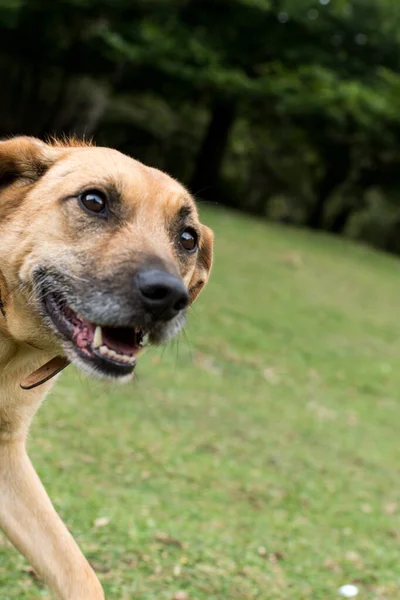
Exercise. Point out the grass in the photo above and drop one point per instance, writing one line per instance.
(259, 458)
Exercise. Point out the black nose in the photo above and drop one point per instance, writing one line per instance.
(162, 294)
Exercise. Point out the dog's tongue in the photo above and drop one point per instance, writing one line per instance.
(83, 334)
(120, 339)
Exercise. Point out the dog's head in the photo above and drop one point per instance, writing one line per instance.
(99, 254)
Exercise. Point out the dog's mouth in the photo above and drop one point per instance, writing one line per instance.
(111, 350)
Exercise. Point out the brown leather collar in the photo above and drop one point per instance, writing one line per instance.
(43, 374)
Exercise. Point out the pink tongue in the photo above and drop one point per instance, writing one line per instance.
(83, 334)
(122, 341)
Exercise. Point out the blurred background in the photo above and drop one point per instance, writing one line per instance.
(287, 109)
(256, 457)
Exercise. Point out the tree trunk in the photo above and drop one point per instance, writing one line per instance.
(340, 220)
(206, 176)
(338, 163)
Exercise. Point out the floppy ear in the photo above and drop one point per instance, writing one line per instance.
(24, 157)
(204, 263)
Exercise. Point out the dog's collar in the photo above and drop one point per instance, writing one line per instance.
(43, 374)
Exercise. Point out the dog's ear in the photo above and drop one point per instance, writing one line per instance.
(25, 157)
(203, 265)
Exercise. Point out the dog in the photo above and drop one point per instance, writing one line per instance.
(100, 256)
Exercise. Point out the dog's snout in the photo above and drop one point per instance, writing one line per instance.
(162, 294)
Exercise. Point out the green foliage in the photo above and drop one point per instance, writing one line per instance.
(311, 87)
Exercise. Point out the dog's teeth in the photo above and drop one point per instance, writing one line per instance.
(105, 351)
(98, 337)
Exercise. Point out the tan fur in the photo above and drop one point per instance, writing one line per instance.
(40, 224)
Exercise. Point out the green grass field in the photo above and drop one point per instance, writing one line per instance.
(258, 457)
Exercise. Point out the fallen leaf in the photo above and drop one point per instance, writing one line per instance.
(180, 595)
(272, 556)
(332, 565)
(270, 375)
(293, 259)
(207, 363)
(262, 551)
(86, 458)
(355, 558)
(177, 570)
(352, 556)
(99, 567)
(394, 533)
(164, 538)
(130, 560)
(102, 521)
(391, 508)
(145, 558)
(275, 557)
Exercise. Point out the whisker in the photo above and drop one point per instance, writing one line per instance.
(193, 313)
(163, 349)
(189, 343)
(177, 351)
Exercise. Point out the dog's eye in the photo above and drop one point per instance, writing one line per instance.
(94, 201)
(189, 240)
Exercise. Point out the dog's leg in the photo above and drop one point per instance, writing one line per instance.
(30, 521)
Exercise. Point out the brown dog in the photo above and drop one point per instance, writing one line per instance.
(99, 255)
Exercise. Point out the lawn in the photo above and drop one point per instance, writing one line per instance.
(258, 457)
